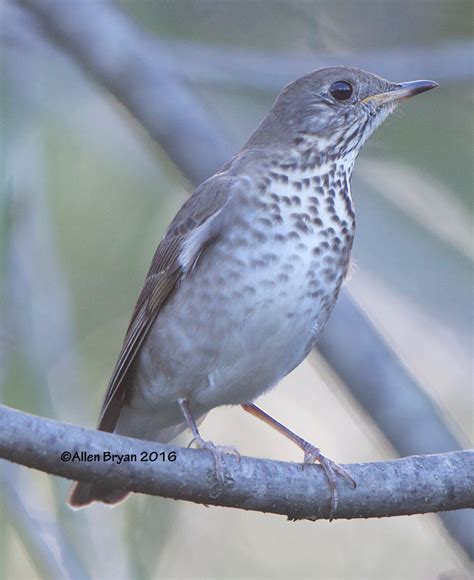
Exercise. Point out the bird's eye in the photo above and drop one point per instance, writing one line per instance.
(341, 90)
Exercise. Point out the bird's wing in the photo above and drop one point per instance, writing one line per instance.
(196, 224)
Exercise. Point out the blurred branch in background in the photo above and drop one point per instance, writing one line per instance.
(41, 332)
(236, 68)
(41, 541)
(143, 79)
(418, 484)
(407, 416)
(46, 542)
(381, 384)
(145, 76)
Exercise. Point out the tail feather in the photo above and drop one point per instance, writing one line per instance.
(83, 494)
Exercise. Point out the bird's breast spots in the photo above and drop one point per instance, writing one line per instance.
(324, 196)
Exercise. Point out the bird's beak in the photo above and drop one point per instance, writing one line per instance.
(401, 92)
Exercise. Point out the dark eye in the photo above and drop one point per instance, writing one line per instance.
(341, 90)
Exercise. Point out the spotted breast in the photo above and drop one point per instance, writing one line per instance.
(252, 310)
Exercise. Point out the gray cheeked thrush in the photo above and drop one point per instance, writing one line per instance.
(248, 271)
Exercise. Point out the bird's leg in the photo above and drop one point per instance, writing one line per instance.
(216, 450)
(311, 453)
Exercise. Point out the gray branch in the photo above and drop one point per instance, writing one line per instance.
(125, 60)
(408, 417)
(383, 387)
(413, 485)
(237, 68)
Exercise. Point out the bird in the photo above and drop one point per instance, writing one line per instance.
(247, 273)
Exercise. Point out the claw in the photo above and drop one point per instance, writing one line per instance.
(331, 469)
(217, 453)
(230, 450)
(311, 453)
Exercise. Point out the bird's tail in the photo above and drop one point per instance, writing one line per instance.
(83, 494)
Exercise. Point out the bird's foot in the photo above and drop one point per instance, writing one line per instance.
(331, 470)
(311, 453)
(218, 452)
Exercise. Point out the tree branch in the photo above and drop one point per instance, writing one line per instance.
(269, 71)
(413, 485)
(145, 80)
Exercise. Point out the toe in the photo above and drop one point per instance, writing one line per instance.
(231, 450)
(331, 470)
(344, 474)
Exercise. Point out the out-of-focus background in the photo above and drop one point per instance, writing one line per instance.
(85, 196)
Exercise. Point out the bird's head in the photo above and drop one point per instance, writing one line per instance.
(336, 108)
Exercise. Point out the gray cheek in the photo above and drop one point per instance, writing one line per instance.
(323, 120)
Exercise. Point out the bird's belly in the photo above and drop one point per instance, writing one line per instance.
(237, 325)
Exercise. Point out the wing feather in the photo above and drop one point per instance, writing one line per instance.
(199, 214)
